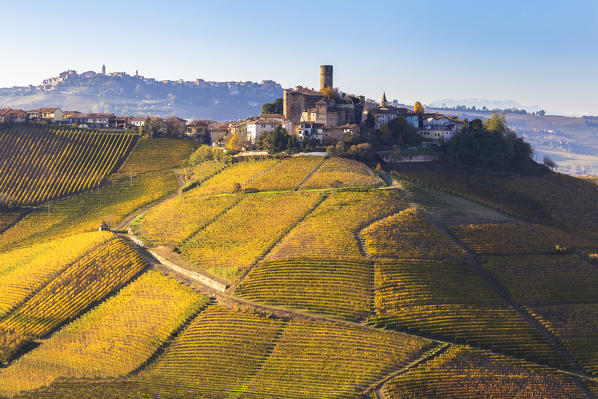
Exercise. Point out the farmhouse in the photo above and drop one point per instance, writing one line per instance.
(53, 114)
(440, 127)
(199, 129)
(13, 115)
(175, 127)
(256, 128)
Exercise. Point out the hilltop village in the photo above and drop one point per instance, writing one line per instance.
(323, 117)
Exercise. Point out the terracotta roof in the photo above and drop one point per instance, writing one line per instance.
(9, 111)
(306, 91)
(99, 115)
(47, 109)
(175, 117)
(138, 118)
(203, 122)
(392, 110)
(271, 116)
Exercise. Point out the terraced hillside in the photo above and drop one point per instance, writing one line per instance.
(337, 286)
(466, 373)
(550, 273)
(129, 327)
(140, 181)
(546, 198)
(40, 164)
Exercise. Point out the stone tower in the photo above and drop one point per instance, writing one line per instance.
(103, 69)
(383, 103)
(325, 76)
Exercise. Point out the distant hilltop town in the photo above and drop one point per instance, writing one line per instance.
(321, 117)
(134, 94)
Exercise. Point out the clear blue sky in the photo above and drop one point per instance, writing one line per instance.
(531, 51)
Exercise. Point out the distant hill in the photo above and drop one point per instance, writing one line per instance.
(124, 94)
(480, 103)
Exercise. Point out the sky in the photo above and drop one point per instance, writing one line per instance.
(534, 52)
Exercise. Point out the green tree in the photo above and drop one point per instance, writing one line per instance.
(489, 144)
(275, 107)
(277, 140)
(370, 122)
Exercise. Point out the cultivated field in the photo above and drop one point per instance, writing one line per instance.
(466, 373)
(41, 164)
(331, 230)
(332, 286)
(338, 287)
(244, 233)
(129, 327)
(91, 278)
(340, 172)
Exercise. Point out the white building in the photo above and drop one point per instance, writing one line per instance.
(386, 113)
(138, 121)
(440, 128)
(256, 128)
(310, 131)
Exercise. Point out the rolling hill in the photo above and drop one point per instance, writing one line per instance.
(302, 277)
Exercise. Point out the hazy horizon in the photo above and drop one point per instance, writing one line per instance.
(535, 53)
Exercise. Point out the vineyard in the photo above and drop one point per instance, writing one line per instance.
(262, 357)
(331, 230)
(550, 198)
(25, 270)
(408, 235)
(575, 327)
(129, 327)
(466, 373)
(286, 175)
(338, 287)
(342, 172)
(84, 282)
(240, 173)
(124, 194)
(463, 309)
(40, 164)
(545, 279)
(178, 219)
(516, 238)
(244, 233)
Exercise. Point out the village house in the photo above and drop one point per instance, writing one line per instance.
(278, 117)
(122, 122)
(100, 120)
(255, 129)
(385, 113)
(309, 131)
(175, 127)
(13, 115)
(440, 127)
(218, 133)
(137, 121)
(298, 100)
(329, 114)
(199, 129)
(52, 114)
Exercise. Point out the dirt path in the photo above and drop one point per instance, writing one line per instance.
(425, 357)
